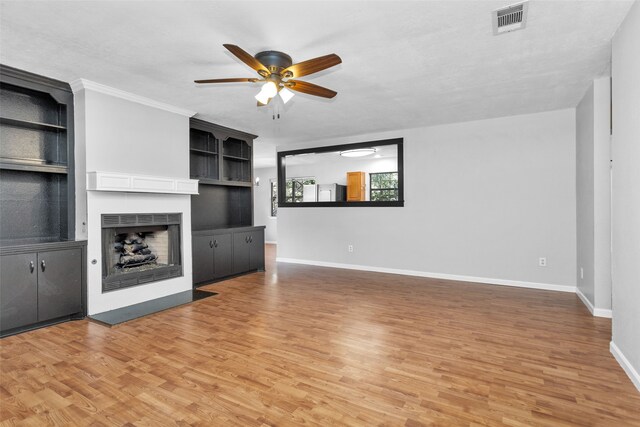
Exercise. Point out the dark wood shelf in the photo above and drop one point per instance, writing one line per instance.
(32, 166)
(203, 152)
(31, 125)
(209, 181)
(227, 156)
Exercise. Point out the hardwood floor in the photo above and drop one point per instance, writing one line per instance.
(302, 345)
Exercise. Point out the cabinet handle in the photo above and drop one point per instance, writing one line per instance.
(210, 244)
(246, 239)
(43, 265)
(250, 239)
(215, 243)
(31, 266)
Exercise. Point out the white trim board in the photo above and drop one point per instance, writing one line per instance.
(633, 375)
(598, 312)
(269, 242)
(108, 181)
(484, 280)
(82, 84)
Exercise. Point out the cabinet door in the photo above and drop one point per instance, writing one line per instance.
(59, 283)
(202, 254)
(222, 255)
(355, 186)
(241, 252)
(18, 290)
(256, 245)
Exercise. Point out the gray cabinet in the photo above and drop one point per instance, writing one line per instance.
(222, 255)
(59, 283)
(241, 252)
(202, 253)
(18, 290)
(41, 284)
(248, 251)
(227, 252)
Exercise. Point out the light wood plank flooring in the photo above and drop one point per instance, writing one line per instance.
(302, 345)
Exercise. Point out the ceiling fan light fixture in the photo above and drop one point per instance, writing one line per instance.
(262, 98)
(286, 94)
(270, 89)
(358, 152)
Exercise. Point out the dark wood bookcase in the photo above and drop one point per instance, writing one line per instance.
(36, 159)
(225, 242)
(42, 268)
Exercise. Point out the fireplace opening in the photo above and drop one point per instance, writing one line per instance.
(140, 248)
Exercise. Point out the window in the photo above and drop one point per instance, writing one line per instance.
(274, 197)
(383, 186)
(294, 188)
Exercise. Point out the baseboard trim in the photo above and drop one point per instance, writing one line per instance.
(269, 242)
(633, 375)
(597, 312)
(484, 280)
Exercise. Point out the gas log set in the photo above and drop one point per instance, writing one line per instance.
(133, 250)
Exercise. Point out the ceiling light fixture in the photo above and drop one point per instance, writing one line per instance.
(358, 152)
(279, 74)
(268, 91)
(286, 94)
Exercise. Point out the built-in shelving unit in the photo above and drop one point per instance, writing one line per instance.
(221, 159)
(36, 159)
(43, 274)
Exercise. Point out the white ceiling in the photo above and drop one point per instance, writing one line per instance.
(405, 63)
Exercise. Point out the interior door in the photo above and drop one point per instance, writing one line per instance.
(59, 283)
(18, 290)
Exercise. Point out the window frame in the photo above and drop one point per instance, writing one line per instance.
(273, 196)
(281, 165)
(371, 189)
(300, 180)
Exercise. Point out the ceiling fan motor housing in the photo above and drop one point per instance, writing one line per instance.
(275, 61)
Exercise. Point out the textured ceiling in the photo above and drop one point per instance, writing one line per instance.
(405, 63)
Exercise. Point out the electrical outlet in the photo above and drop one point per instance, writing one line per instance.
(542, 262)
(350, 248)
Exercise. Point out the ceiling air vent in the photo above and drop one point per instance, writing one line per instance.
(510, 18)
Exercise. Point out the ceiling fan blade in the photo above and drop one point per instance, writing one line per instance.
(310, 89)
(247, 58)
(312, 66)
(238, 80)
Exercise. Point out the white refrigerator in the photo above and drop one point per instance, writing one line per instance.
(310, 193)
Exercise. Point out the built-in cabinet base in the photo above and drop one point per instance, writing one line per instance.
(222, 253)
(41, 284)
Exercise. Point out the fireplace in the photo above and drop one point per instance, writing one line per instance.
(139, 249)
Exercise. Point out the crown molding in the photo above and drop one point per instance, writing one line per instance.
(83, 84)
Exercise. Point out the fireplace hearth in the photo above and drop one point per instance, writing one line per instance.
(139, 249)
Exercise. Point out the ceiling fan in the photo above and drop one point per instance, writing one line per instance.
(279, 74)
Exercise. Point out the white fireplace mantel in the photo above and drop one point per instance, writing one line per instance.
(122, 182)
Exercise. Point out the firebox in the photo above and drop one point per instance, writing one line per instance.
(140, 248)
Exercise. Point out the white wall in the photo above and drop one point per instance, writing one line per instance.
(483, 199)
(626, 194)
(262, 203)
(118, 135)
(593, 197)
(602, 193)
(584, 196)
